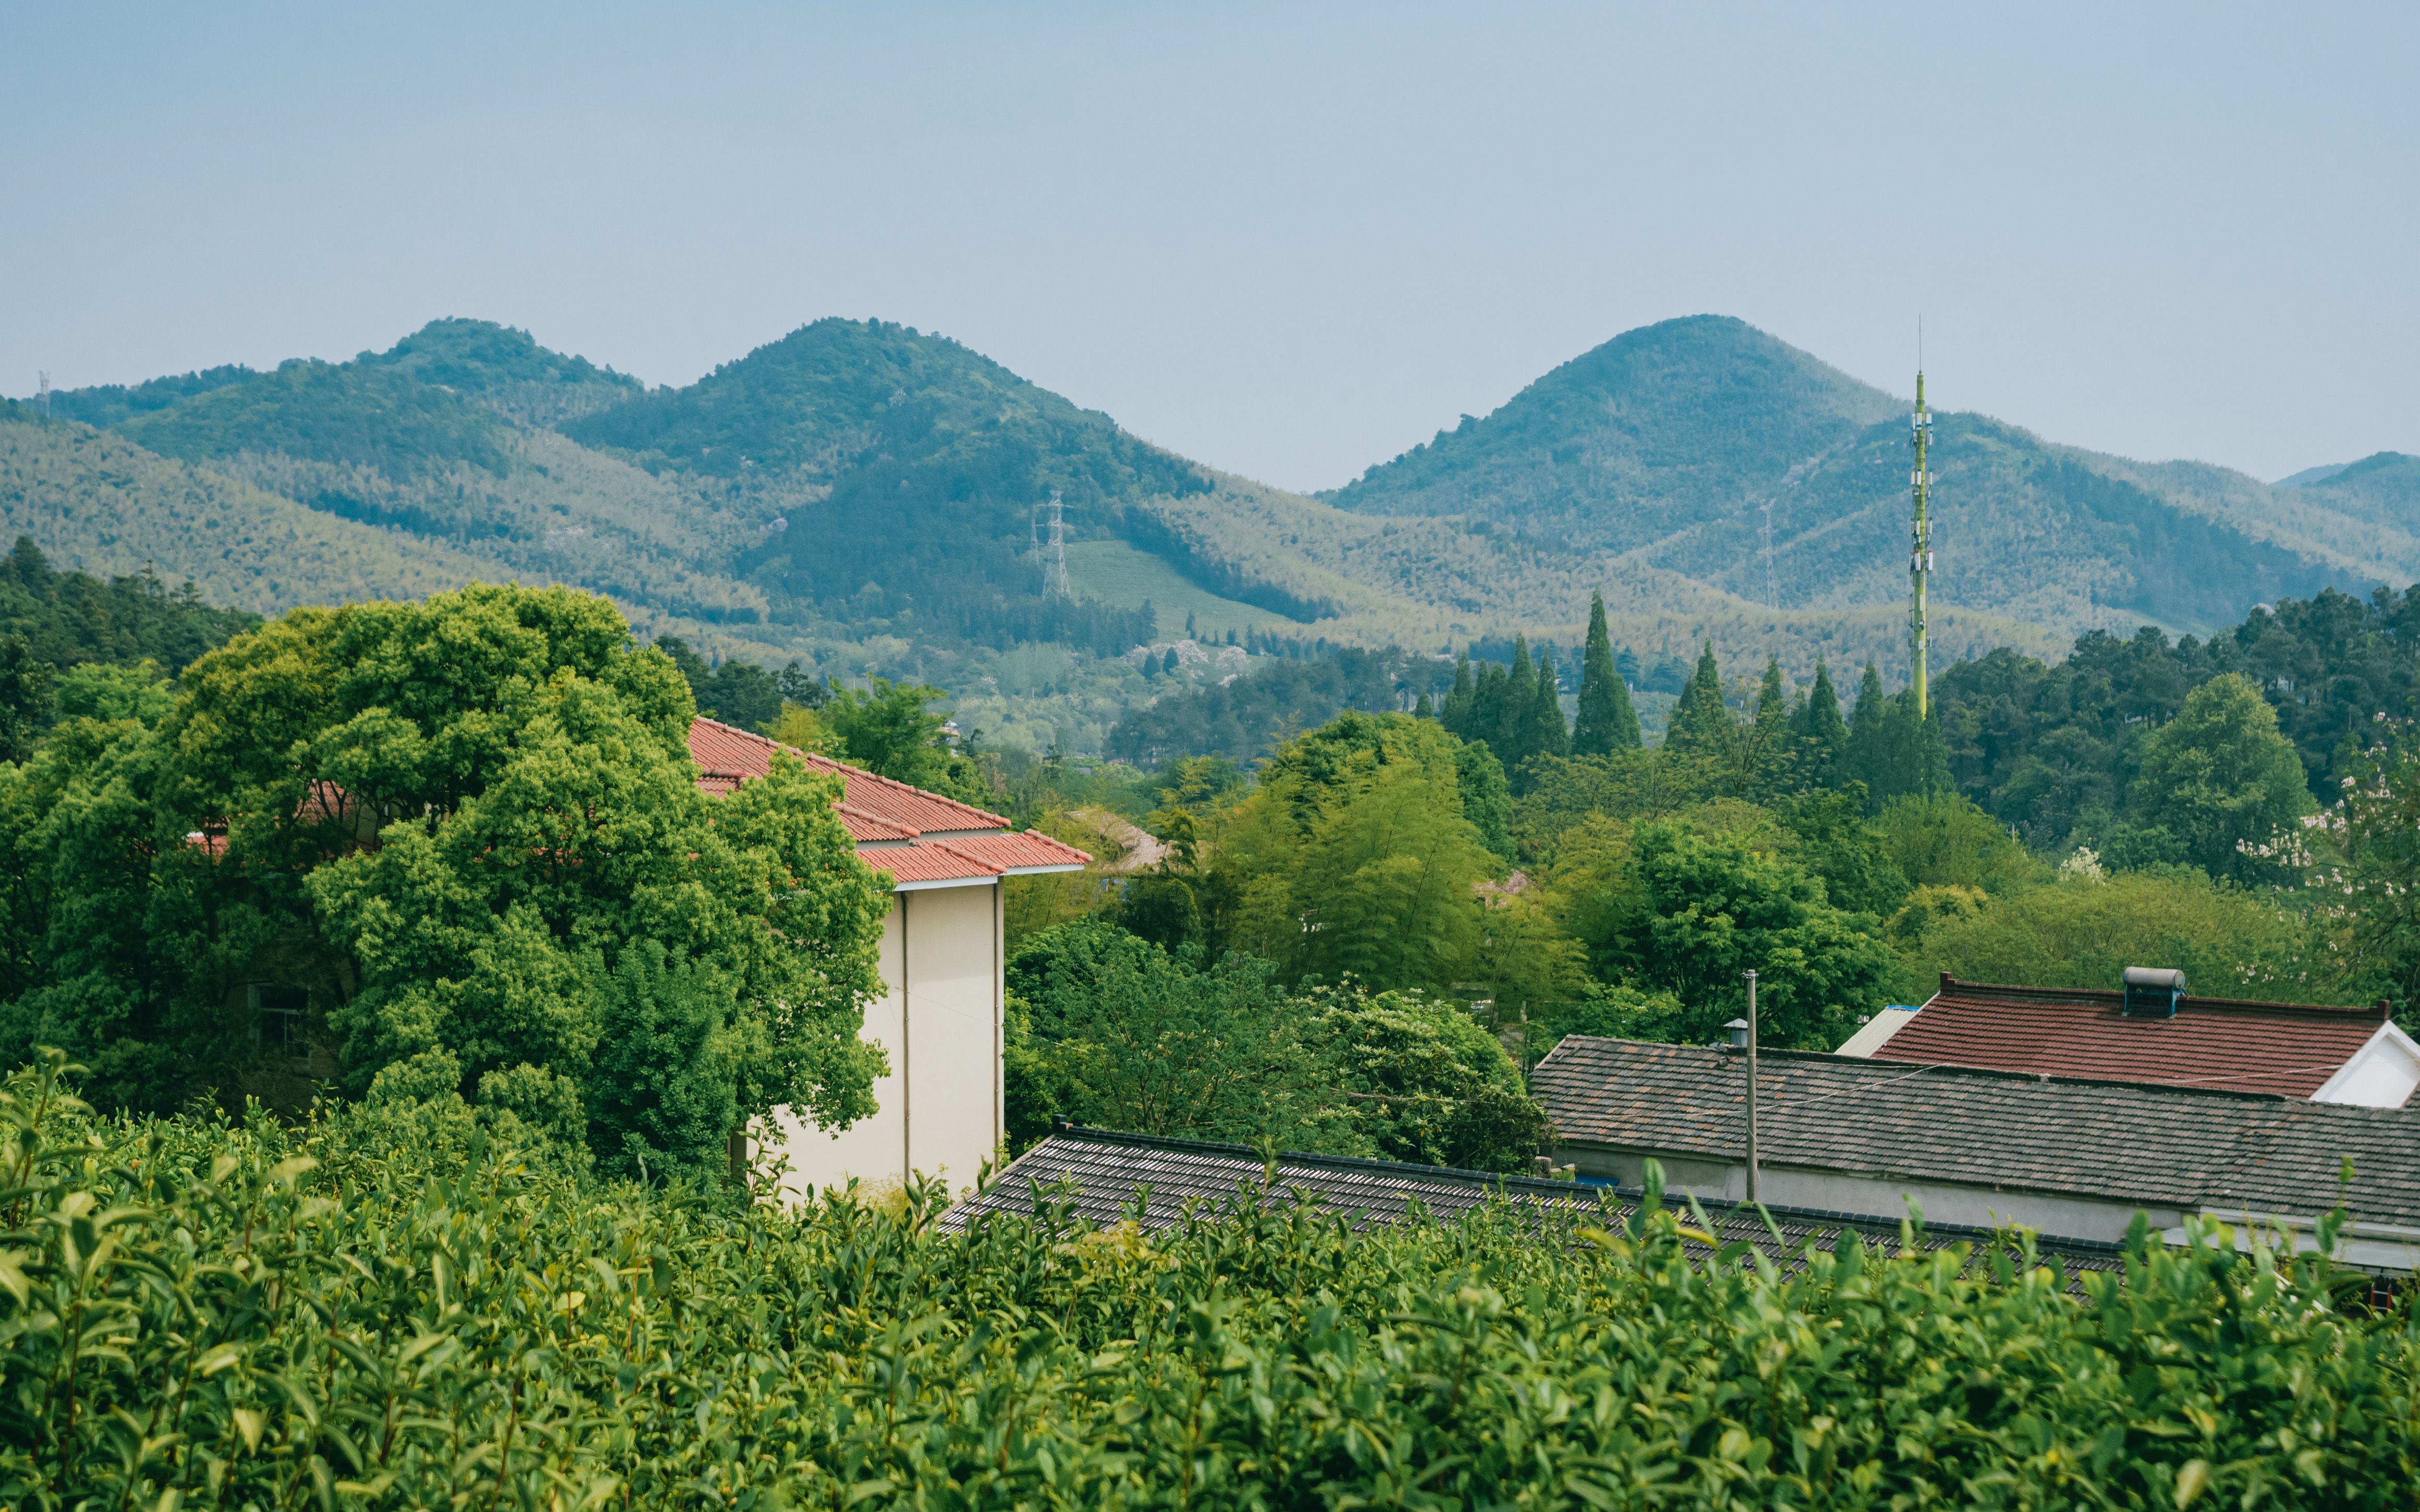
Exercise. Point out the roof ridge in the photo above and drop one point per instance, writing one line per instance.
(1905, 1067)
(815, 757)
(1308, 1157)
(1953, 987)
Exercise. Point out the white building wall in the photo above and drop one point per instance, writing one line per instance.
(940, 1112)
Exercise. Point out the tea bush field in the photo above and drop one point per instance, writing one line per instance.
(398, 1305)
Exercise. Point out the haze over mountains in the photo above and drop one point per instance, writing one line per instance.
(861, 493)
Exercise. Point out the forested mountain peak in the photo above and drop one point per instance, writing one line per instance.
(1628, 442)
(111, 404)
(507, 368)
(362, 414)
(2385, 486)
(839, 394)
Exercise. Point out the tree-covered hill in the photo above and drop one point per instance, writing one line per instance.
(897, 476)
(1637, 442)
(99, 503)
(1666, 445)
(861, 493)
(2383, 489)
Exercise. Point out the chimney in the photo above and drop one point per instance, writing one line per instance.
(2153, 992)
(1738, 1031)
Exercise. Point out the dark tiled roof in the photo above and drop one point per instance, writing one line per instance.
(1104, 1168)
(1096, 1174)
(2211, 1041)
(2115, 1141)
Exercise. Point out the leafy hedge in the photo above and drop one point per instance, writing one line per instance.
(403, 1305)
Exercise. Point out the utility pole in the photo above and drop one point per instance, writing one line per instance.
(1751, 1088)
(1920, 562)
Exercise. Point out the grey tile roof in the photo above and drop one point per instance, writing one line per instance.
(1095, 1174)
(2118, 1141)
(1104, 1170)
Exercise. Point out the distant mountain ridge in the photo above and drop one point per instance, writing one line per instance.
(862, 491)
(1675, 445)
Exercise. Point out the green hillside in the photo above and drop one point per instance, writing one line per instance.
(2383, 489)
(1636, 442)
(896, 478)
(98, 503)
(862, 494)
(1666, 445)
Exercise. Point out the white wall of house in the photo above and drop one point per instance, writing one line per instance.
(942, 1107)
(2380, 1074)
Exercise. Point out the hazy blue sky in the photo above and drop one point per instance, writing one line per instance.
(1288, 241)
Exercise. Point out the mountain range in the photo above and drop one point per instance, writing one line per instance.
(862, 494)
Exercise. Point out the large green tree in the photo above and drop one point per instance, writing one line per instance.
(1111, 1030)
(1701, 724)
(442, 830)
(2222, 779)
(1606, 721)
(1358, 854)
(1689, 914)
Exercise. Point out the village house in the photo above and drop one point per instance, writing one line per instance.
(940, 1017)
(2148, 1030)
(2068, 1157)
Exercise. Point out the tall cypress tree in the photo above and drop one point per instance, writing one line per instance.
(1607, 721)
(1546, 733)
(1869, 749)
(1455, 715)
(1701, 725)
(1822, 736)
(1769, 738)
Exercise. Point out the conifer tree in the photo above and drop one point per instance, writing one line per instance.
(1768, 747)
(1869, 749)
(1607, 721)
(1822, 737)
(1546, 734)
(1701, 726)
(1455, 715)
(1513, 713)
(1424, 709)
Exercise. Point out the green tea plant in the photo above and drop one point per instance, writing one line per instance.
(416, 1303)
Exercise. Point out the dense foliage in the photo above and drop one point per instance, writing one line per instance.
(463, 834)
(416, 1303)
(68, 618)
(2058, 750)
(1111, 1030)
(1246, 718)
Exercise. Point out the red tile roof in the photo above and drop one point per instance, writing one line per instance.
(922, 839)
(2219, 1042)
(730, 756)
(1030, 851)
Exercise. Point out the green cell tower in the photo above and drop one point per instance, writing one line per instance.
(1920, 562)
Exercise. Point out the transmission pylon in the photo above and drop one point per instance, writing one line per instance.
(1054, 571)
(1771, 600)
(1920, 562)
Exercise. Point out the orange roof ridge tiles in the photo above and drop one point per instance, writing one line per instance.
(1009, 854)
(920, 838)
(750, 741)
(2284, 1049)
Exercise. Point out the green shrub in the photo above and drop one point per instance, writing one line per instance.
(402, 1305)
(2085, 932)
